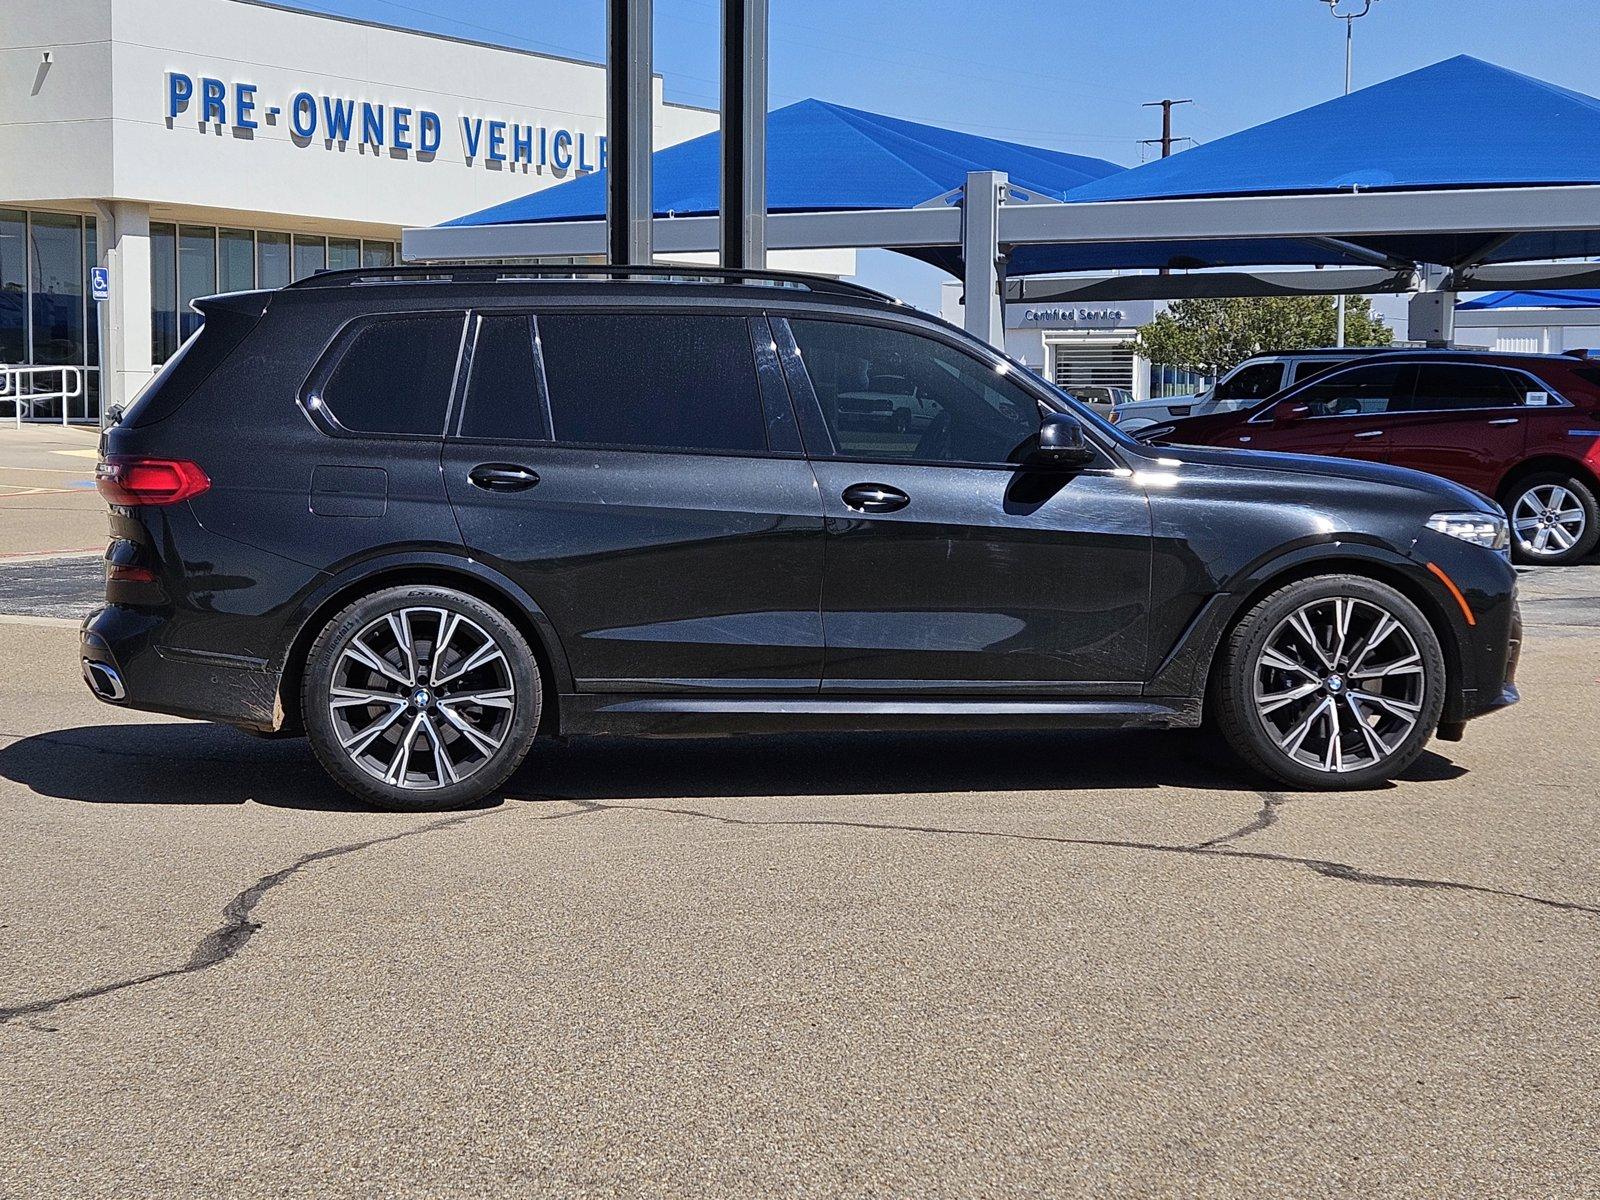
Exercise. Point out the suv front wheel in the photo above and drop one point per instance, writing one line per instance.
(421, 697)
(1334, 682)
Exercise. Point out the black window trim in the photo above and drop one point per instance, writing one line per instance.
(814, 426)
(539, 308)
(323, 418)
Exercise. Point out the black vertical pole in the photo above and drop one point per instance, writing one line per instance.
(629, 116)
(742, 230)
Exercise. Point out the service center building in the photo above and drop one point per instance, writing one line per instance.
(196, 146)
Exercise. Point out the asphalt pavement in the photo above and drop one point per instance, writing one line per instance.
(1091, 964)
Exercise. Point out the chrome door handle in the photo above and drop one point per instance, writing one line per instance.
(1505, 421)
(503, 477)
(1371, 433)
(875, 498)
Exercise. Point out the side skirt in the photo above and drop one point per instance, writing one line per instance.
(706, 716)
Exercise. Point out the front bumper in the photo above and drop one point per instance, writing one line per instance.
(125, 663)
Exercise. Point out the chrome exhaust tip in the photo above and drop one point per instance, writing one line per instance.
(103, 680)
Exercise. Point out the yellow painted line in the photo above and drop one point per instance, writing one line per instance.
(47, 470)
(95, 453)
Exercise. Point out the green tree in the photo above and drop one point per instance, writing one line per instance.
(1213, 335)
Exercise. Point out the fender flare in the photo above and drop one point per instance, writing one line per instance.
(480, 577)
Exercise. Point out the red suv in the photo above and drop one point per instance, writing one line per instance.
(1524, 429)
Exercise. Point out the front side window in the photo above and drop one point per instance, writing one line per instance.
(890, 395)
(649, 382)
(1254, 382)
(395, 375)
(1360, 391)
(1443, 387)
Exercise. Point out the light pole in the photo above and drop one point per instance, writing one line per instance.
(1349, 18)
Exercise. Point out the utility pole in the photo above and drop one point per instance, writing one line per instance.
(1349, 19)
(629, 114)
(1166, 139)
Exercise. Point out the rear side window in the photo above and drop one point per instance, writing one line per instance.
(504, 397)
(1310, 370)
(1447, 386)
(669, 382)
(395, 375)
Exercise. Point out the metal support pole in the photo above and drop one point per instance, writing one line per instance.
(980, 249)
(743, 210)
(629, 116)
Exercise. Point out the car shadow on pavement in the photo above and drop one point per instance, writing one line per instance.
(192, 763)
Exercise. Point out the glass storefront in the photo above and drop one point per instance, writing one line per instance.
(190, 261)
(48, 319)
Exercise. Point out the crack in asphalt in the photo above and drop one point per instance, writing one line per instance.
(1216, 848)
(1268, 815)
(236, 929)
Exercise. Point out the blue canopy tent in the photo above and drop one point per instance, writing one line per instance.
(821, 157)
(1458, 124)
(1534, 299)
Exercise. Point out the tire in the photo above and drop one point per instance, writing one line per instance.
(1552, 507)
(1387, 674)
(458, 750)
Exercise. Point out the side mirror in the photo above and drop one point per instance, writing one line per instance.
(1061, 443)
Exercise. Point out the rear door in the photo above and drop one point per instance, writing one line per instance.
(1466, 421)
(641, 478)
(950, 568)
(1342, 413)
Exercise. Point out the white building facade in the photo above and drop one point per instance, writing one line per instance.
(187, 147)
(1083, 343)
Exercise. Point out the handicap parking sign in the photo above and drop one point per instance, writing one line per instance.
(99, 283)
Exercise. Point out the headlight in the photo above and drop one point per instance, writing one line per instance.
(1489, 530)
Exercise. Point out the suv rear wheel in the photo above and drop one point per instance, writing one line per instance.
(421, 697)
(1333, 682)
(1554, 519)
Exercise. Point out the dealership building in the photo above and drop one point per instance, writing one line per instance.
(195, 146)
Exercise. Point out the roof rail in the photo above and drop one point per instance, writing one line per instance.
(687, 273)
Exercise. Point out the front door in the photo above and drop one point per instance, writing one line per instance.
(949, 567)
(1343, 414)
(640, 480)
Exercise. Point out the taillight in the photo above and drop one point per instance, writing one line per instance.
(129, 481)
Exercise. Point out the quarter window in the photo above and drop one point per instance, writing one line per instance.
(1359, 391)
(647, 382)
(888, 395)
(504, 399)
(395, 375)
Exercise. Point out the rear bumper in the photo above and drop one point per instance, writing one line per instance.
(121, 652)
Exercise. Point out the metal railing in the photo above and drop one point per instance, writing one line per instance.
(29, 389)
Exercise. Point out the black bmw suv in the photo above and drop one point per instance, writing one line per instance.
(425, 515)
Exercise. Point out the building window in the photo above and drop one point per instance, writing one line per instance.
(163, 291)
(377, 254)
(197, 273)
(272, 259)
(310, 256)
(344, 254)
(56, 279)
(13, 286)
(236, 260)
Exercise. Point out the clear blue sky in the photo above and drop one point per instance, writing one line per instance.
(1069, 74)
